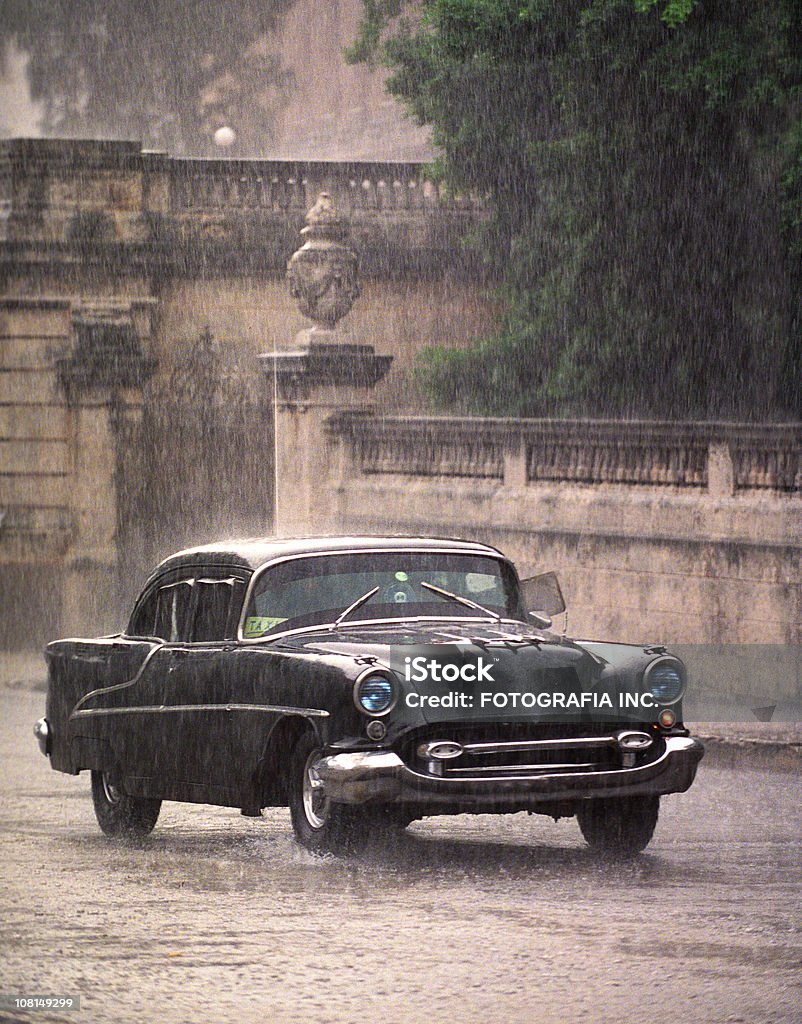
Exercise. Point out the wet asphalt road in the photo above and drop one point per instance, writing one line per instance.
(221, 918)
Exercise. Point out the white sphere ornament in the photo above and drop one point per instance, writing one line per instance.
(225, 136)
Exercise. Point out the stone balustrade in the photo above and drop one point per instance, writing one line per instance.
(109, 201)
(277, 186)
(686, 532)
(718, 458)
(43, 180)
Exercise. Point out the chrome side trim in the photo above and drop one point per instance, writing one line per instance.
(128, 682)
(167, 708)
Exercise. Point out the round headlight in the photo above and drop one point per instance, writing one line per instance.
(374, 693)
(665, 680)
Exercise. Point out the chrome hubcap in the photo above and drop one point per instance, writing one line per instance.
(316, 804)
(110, 791)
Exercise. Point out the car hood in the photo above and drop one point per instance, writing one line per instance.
(516, 660)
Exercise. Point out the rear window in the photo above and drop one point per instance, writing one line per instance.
(172, 611)
(213, 609)
(202, 610)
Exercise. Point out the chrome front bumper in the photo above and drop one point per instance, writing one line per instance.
(382, 777)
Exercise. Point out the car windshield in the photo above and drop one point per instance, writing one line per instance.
(313, 590)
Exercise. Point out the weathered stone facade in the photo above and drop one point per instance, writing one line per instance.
(112, 262)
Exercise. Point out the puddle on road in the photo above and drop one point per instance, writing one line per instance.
(206, 852)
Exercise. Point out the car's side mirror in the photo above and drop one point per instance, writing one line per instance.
(542, 598)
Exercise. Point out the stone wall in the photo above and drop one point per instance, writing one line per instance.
(683, 533)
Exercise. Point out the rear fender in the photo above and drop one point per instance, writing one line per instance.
(77, 668)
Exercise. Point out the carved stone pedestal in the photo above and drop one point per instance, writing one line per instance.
(310, 385)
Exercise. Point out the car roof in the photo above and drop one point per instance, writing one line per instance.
(253, 552)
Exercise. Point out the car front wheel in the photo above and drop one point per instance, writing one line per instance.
(121, 815)
(319, 824)
(620, 826)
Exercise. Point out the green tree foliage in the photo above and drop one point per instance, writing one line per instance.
(644, 163)
(168, 72)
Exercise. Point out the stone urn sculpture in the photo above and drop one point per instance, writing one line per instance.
(323, 378)
(322, 277)
(322, 274)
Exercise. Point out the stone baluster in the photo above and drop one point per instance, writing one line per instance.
(720, 471)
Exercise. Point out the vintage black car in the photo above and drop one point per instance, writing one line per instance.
(365, 682)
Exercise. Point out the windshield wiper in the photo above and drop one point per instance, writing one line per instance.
(354, 605)
(461, 600)
(428, 586)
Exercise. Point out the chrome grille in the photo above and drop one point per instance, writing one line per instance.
(497, 757)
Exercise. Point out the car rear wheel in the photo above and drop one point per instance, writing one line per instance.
(319, 824)
(620, 826)
(119, 814)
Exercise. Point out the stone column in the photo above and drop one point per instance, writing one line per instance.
(102, 380)
(322, 375)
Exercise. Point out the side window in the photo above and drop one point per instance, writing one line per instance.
(213, 609)
(144, 618)
(172, 612)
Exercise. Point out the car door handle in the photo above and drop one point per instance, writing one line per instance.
(176, 658)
